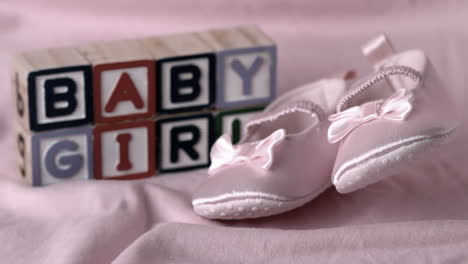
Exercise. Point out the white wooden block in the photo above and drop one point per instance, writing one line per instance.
(52, 157)
(53, 89)
(184, 143)
(124, 150)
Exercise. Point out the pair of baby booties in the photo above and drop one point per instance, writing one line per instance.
(329, 132)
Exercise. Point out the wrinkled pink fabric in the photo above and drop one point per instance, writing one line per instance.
(418, 217)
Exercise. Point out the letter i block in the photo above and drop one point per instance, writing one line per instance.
(184, 143)
(246, 66)
(185, 67)
(53, 89)
(124, 150)
(233, 122)
(52, 157)
(123, 80)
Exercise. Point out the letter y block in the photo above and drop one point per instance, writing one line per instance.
(245, 66)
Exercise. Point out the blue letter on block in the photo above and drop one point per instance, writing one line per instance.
(62, 155)
(72, 162)
(246, 77)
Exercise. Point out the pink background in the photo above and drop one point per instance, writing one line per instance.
(418, 217)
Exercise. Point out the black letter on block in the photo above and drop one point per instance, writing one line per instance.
(178, 83)
(52, 97)
(187, 145)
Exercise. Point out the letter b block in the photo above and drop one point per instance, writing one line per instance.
(185, 83)
(52, 157)
(185, 67)
(51, 95)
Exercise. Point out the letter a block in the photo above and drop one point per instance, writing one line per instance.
(184, 143)
(52, 157)
(123, 80)
(246, 66)
(185, 67)
(124, 150)
(53, 89)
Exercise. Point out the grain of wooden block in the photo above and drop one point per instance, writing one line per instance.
(53, 89)
(246, 66)
(124, 150)
(54, 156)
(123, 80)
(184, 142)
(185, 67)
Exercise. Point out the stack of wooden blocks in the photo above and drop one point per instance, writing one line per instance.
(128, 109)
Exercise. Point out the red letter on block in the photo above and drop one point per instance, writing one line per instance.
(125, 90)
(124, 150)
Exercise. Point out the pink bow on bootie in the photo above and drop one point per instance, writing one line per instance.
(396, 107)
(259, 153)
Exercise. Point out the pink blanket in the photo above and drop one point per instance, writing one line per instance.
(418, 217)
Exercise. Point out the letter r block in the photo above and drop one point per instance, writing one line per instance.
(183, 143)
(185, 83)
(124, 150)
(53, 157)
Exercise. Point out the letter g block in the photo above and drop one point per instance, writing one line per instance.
(62, 155)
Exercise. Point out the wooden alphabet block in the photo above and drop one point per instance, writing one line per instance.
(115, 99)
(124, 150)
(53, 89)
(233, 121)
(246, 66)
(23, 154)
(52, 157)
(186, 76)
(184, 143)
(123, 80)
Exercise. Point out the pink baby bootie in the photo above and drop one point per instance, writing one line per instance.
(389, 119)
(283, 161)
